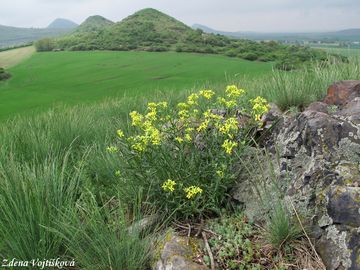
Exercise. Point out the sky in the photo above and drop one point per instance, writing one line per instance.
(226, 15)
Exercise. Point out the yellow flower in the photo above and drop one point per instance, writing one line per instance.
(231, 124)
(169, 185)
(227, 103)
(120, 133)
(188, 137)
(192, 191)
(151, 105)
(203, 125)
(139, 143)
(208, 94)
(184, 114)
(209, 115)
(233, 92)
(183, 106)
(260, 106)
(229, 145)
(112, 149)
(220, 173)
(153, 135)
(192, 99)
(179, 139)
(136, 118)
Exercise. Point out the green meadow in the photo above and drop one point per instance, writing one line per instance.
(54, 78)
(348, 52)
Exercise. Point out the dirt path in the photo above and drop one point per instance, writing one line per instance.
(13, 57)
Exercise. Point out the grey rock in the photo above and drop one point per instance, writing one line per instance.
(173, 252)
(320, 160)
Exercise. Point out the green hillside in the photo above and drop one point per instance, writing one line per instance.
(15, 36)
(152, 30)
(72, 78)
(93, 23)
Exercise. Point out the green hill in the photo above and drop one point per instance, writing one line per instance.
(93, 23)
(62, 24)
(152, 30)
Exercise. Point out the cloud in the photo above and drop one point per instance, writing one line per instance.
(232, 15)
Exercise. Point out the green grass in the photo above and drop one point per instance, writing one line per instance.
(51, 160)
(73, 78)
(349, 52)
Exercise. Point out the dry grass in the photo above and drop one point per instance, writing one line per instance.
(13, 57)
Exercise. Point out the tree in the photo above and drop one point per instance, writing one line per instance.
(44, 45)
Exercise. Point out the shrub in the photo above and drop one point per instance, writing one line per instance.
(249, 56)
(184, 158)
(44, 45)
(4, 75)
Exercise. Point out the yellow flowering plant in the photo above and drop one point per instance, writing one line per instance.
(184, 155)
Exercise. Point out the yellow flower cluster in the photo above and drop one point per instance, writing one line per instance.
(208, 94)
(112, 149)
(229, 145)
(169, 185)
(136, 118)
(230, 125)
(233, 92)
(230, 104)
(209, 115)
(259, 107)
(192, 191)
(193, 99)
(120, 133)
(155, 126)
(151, 134)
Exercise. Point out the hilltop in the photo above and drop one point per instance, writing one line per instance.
(94, 23)
(147, 29)
(152, 30)
(62, 24)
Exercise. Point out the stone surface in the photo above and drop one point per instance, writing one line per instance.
(174, 253)
(342, 92)
(319, 165)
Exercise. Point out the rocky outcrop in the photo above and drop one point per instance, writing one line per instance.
(175, 252)
(319, 152)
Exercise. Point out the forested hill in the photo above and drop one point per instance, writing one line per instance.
(152, 30)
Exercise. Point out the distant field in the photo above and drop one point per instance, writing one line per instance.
(81, 77)
(342, 51)
(13, 57)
